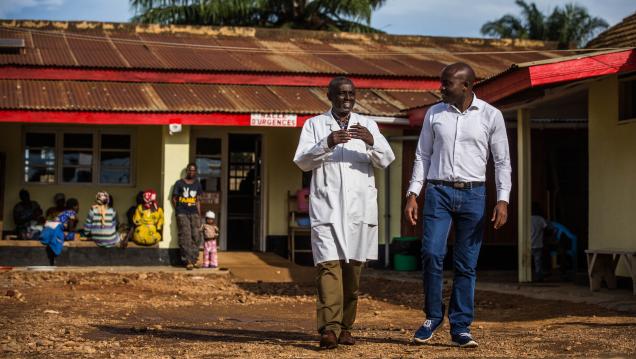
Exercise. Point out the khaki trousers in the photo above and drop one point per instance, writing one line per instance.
(338, 283)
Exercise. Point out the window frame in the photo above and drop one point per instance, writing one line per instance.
(622, 79)
(60, 166)
(194, 155)
(130, 150)
(96, 152)
(23, 157)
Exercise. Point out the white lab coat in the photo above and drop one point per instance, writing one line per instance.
(343, 205)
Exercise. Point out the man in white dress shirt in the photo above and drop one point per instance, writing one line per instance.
(451, 159)
(341, 148)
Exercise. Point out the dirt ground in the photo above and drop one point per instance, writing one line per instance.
(190, 315)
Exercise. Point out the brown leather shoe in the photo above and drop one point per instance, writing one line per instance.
(328, 340)
(346, 338)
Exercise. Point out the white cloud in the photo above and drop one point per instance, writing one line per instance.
(15, 6)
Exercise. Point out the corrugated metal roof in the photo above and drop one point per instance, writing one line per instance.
(190, 48)
(193, 98)
(513, 67)
(622, 34)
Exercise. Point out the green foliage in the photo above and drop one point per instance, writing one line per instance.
(570, 25)
(333, 15)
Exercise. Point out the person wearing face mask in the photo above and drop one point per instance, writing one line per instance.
(341, 148)
(450, 163)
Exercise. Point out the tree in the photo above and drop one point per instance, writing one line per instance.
(570, 25)
(333, 15)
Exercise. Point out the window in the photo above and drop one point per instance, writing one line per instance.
(627, 98)
(77, 158)
(39, 158)
(115, 159)
(80, 157)
(208, 160)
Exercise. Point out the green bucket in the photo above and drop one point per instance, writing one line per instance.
(404, 262)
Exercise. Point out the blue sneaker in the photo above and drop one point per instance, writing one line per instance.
(464, 340)
(425, 332)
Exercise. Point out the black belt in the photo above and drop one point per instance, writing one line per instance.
(457, 185)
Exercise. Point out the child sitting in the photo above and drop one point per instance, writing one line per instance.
(61, 229)
(210, 235)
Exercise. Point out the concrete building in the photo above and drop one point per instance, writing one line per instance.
(121, 107)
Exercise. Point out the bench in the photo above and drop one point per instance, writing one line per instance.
(601, 266)
(69, 244)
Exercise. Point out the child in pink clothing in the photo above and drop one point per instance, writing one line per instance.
(210, 236)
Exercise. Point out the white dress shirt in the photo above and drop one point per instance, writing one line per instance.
(453, 146)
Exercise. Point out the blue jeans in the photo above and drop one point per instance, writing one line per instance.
(443, 206)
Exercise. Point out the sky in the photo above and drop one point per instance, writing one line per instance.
(410, 17)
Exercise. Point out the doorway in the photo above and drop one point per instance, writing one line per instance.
(244, 192)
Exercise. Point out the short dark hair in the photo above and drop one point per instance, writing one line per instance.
(192, 164)
(336, 81)
(462, 67)
(71, 203)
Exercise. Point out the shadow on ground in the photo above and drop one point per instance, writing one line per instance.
(289, 338)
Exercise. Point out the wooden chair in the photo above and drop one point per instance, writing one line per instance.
(293, 229)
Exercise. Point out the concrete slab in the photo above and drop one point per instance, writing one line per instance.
(243, 266)
(264, 267)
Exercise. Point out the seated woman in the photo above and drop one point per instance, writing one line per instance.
(148, 220)
(61, 229)
(24, 212)
(101, 222)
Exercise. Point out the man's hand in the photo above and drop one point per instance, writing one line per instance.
(338, 137)
(500, 214)
(360, 132)
(410, 210)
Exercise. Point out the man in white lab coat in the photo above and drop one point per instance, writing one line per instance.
(341, 148)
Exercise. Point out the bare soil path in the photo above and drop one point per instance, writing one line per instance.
(182, 314)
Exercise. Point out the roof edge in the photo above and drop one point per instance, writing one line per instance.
(78, 26)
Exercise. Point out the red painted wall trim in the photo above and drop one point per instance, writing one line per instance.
(121, 118)
(31, 73)
(118, 118)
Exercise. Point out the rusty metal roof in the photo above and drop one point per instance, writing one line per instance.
(622, 34)
(214, 49)
(194, 98)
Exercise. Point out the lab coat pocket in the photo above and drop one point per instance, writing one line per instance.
(322, 206)
(371, 206)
